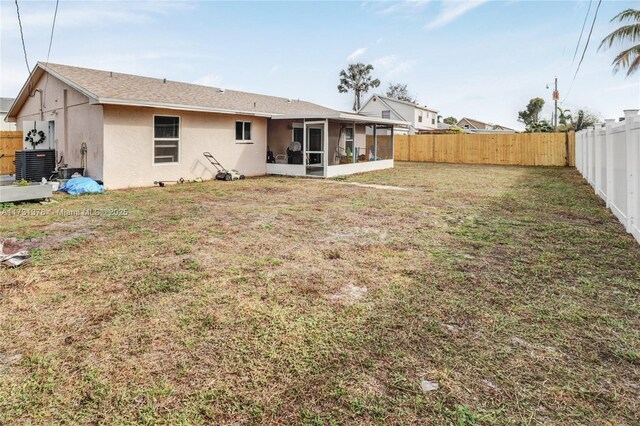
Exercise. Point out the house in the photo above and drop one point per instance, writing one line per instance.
(129, 130)
(420, 118)
(470, 125)
(5, 104)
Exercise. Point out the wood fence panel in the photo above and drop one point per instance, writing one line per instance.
(526, 149)
(10, 142)
(572, 148)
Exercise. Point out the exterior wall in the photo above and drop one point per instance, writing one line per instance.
(349, 169)
(429, 119)
(128, 140)
(84, 123)
(280, 135)
(375, 108)
(404, 112)
(4, 125)
(286, 169)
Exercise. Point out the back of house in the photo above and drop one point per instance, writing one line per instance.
(130, 130)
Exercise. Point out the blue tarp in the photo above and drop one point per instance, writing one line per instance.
(82, 185)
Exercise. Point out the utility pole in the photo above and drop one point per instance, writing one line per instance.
(556, 96)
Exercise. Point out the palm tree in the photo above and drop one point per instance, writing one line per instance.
(564, 116)
(357, 77)
(628, 58)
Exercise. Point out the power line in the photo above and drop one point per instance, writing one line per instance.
(53, 26)
(581, 32)
(589, 37)
(24, 48)
(595, 16)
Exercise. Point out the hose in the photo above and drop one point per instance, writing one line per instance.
(83, 158)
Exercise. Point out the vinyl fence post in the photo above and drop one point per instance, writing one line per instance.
(608, 146)
(632, 168)
(597, 159)
(591, 151)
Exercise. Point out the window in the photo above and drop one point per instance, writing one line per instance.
(297, 134)
(386, 114)
(348, 140)
(433, 121)
(420, 118)
(243, 131)
(166, 139)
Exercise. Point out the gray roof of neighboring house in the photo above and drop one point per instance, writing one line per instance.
(477, 124)
(108, 87)
(5, 104)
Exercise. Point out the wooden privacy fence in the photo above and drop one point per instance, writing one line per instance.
(524, 149)
(10, 142)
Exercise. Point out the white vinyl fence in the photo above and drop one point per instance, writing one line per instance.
(609, 159)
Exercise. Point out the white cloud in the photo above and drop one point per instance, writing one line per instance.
(83, 14)
(384, 62)
(213, 80)
(391, 65)
(452, 10)
(356, 53)
(406, 8)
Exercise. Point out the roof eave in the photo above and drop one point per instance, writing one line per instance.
(178, 107)
(341, 116)
(38, 71)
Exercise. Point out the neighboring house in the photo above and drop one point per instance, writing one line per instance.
(5, 104)
(138, 130)
(470, 125)
(420, 118)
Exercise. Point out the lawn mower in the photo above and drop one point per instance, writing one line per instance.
(223, 174)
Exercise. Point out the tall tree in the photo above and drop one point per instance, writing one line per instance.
(579, 121)
(530, 116)
(628, 58)
(452, 121)
(357, 78)
(583, 119)
(400, 92)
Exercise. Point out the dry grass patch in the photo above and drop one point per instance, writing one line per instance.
(281, 301)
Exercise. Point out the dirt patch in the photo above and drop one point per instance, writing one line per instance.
(61, 232)
(375, 186)
(349, 294)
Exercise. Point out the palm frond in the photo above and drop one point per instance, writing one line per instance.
(626, 33)
(626, 58)
(635, 65)
(627, 15)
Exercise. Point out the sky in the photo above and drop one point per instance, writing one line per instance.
(471, 58)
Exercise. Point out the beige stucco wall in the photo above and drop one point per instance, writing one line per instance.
(128, 146)
(280, 135)
(84, 120)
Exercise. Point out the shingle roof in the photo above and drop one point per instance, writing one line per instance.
(477, 124)
(5, 104)
(126, 88)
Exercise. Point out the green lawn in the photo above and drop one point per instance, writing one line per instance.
(300, 301)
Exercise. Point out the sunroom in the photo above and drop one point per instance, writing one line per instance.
(329, 145)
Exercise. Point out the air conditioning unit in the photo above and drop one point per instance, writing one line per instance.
(35, 164)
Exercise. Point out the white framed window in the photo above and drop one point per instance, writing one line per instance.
(166, 139)
(386, 114)
(349, 138)
(433, 121)
(420, 118)
(297, 132)
(243, 132)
